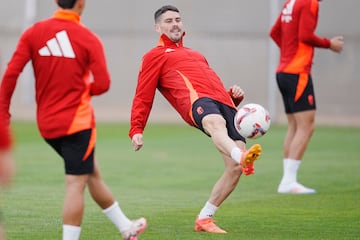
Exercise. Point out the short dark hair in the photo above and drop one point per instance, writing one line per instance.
(164, 9)
(66, 4)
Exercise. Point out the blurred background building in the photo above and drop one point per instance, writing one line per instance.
(232, 34)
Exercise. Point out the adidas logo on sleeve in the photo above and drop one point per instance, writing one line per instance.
(59, 46)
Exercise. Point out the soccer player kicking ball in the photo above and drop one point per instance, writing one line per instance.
(185, 79)
(64, 55)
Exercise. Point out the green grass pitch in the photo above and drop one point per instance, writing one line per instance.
(170, 179)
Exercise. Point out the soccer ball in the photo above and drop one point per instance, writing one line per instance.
(252, 121)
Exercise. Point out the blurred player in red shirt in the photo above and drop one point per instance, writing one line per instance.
(69, 67)
(7, 164)
(293, 32)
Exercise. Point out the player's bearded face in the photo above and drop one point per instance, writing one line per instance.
(175, 33)
(171, 25)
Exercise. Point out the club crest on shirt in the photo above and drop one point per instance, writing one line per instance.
(200, 110)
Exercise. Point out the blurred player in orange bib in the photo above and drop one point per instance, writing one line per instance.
(293, 32)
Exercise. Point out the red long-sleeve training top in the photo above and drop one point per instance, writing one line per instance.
(293, 32)
(69, 67)
(182, 75)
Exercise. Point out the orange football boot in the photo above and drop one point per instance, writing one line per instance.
(249, 157)
(207, 225)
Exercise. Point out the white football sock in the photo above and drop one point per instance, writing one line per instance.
(208, 211)
(116, 215)
(236, 154)
(291, 167)
(71, 232)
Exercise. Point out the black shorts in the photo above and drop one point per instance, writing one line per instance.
(206, 106)
(77, 150)
(297, 92)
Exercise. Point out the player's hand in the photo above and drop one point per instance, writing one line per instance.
(337, 44)
(137, 141)
(237, 92)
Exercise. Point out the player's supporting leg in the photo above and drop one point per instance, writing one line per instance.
(221, 190)
(73, 205)
(237, 161)
(104, 198)
(300, 130)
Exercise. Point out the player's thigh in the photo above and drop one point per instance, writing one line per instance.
(305, 119)
(217, 115)
(213, 122)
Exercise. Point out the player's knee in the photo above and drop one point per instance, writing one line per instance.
(311, 130)
(235, 174)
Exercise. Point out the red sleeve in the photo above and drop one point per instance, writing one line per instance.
(145, 92)
(275, 32)
(307, 26)
(15, 66)
(99, 70)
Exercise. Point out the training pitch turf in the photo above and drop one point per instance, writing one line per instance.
(169, 180)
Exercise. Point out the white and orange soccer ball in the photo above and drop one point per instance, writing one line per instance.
(252, 121)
